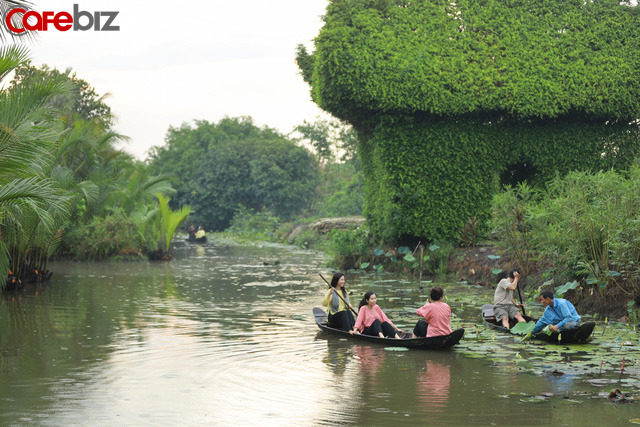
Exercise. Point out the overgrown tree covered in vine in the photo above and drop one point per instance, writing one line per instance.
(453, 99)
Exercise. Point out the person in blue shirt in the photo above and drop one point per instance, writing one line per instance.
(558, 312)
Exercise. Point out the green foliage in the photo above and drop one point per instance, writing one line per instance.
(595, 221)
(341, 192)
(231, 163)
(32, 206)
(170, 221)
(440, 91)
(426, 178)
(517, 222)
(588, 222)
(341, 189)
(84, 102)
(527, 58)
(102, 238)
(348, 247)
(256, 225)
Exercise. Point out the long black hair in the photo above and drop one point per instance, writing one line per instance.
(334, 282)
(364, 300)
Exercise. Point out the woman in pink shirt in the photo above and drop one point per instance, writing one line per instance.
(437, 316)
(372, 320)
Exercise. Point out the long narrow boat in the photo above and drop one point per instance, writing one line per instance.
(489, 319)
(202, 239)
(443, 342)
(576, 336)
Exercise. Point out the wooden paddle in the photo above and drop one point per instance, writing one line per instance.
(520, 296)
(339, 296)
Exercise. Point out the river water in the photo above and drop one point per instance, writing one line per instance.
(224, 335)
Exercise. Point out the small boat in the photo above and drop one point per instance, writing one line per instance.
(489, 319)
(579, 335)
(198, 240)
(443, 342)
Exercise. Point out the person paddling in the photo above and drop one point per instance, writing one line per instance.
(339, 316)
(372, 320)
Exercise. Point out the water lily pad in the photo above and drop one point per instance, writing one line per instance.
(534, 399)
(396, 349)
(523, 328)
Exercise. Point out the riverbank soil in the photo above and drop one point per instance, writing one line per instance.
(485, 265)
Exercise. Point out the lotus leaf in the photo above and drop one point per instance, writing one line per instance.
(523, 328)
(396, 349)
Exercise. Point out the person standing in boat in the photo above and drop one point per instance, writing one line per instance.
(558, 312)
(437, 316)
(340, 316)
(372, 320)
(505, 307)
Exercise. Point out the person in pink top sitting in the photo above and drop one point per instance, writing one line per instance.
(372, 320)
(437, 316)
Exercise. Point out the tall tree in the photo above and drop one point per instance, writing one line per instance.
(31, 203)
(222, 166)
(452, 98)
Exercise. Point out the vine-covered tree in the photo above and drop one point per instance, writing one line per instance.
(452, 98)
(221, 166)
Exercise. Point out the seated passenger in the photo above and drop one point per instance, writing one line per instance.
(372, 320)
(339, 309)
(437, 316)
(200, 234)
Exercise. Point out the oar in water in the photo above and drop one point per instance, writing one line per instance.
(339, 296)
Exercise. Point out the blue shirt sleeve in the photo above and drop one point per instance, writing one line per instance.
(542, 322)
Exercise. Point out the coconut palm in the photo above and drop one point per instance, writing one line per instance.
(29, 200)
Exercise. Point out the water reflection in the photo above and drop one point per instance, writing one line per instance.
(433, 386)
(371, 359)
(218, 337)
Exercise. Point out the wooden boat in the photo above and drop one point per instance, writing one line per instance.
(443, 342)
(194, 240)
(489, 319)
(579, 335)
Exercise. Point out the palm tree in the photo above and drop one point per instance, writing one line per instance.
(30, 202)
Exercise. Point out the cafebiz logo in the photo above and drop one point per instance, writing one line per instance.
(18, 21)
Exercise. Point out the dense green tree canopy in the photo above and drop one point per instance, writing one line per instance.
(222, 166)
(453, 98)
(527, 58)
(83, 103)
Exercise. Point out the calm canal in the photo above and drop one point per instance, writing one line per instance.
(224, 335)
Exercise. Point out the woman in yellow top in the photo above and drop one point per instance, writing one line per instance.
(340, 316)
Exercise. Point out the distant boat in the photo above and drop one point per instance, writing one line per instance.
(194, 240)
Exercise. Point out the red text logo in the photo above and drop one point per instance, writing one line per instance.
(18, 20)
